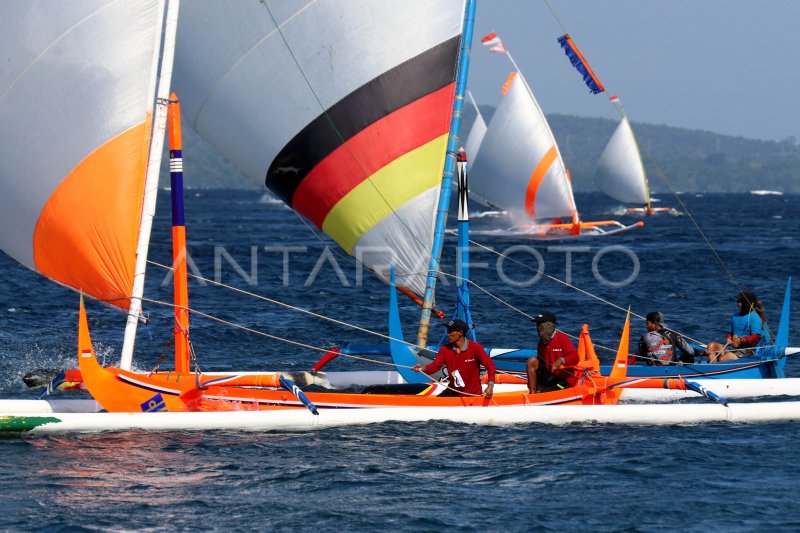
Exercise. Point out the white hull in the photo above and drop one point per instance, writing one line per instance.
(300, 420)
(730, 389)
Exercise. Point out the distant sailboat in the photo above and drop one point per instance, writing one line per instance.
(620, 172)
(518, 167)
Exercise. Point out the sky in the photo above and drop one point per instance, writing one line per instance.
(729, 67)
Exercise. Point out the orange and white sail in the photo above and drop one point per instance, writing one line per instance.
(518, 166)
(342, 108)
(77, 107)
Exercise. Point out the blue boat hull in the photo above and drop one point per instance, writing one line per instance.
(767, 365)
(764, 366)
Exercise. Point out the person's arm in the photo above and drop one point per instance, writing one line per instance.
(641, 351)
(687, 352)
(756, 330)
(491, 369)
(570, 353)
(434, 366)
(750, 340)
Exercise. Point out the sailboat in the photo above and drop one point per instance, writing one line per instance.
(517, 167)
(620, 171)
(218, 82)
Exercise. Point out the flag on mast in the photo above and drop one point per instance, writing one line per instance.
(494, 43)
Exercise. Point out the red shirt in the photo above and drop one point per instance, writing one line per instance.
(464, 367)
(558, 347)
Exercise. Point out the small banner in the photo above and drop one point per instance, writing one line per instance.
(580, 64)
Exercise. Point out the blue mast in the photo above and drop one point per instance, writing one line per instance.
(447, 175)
(462, 310)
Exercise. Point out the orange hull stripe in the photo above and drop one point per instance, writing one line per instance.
(536, 179)
(87, 231)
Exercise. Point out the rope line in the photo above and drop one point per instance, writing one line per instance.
(666, 181)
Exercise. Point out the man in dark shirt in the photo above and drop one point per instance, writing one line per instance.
(463, 359)
(546, 371)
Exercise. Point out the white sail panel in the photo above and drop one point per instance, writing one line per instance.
(476, 134)
(620, 173)
(518, 167)
(76, 92)
(346, 119)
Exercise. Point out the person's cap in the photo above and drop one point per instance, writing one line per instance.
(655, 317)
(547, 316)
(457, 325)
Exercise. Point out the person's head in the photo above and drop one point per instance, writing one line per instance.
(747, 302)
(654, 321)
(456, 329)
(545, 325)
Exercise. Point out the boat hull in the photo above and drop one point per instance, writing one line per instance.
(301, 420)
(513, 360)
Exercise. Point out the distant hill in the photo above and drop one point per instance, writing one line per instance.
(691, 160)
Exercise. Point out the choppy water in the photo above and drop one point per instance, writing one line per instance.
(430, 476)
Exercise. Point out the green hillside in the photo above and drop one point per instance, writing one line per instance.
(691, 160)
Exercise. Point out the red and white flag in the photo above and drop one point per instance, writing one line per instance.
(494, 43)
(614, 99)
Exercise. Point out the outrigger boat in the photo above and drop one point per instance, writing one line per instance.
(517, 167)
(113, 170)
(620, 172)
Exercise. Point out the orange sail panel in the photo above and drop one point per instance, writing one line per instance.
(86, 234)
(536, 179)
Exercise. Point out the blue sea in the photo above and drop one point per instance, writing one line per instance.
(423, 476)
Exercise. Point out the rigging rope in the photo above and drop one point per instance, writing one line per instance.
(662, 175)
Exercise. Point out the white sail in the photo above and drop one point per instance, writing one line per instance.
(476, 133)
(344, 112)
(518, 167)
(620, 172)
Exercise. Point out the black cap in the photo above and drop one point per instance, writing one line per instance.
(655, 317)
(457, 325)
(547, 316)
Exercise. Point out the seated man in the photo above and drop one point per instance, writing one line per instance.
(657, 346)
(554, 351)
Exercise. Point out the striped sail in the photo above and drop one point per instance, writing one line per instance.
(344, 112)
(620, 172)
(77, 87)
(518, 166)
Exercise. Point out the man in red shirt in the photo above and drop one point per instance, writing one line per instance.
(554, 351)
(463, 359)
